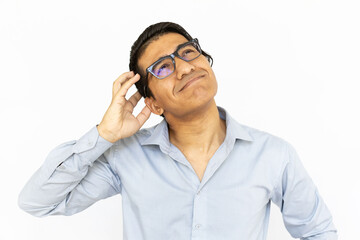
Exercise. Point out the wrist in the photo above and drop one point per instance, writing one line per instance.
(105, 134)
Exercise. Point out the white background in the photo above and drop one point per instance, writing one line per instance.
(290, 68)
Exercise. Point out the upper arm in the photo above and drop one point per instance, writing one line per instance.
(304, 212)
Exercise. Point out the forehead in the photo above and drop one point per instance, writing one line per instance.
(164, 45)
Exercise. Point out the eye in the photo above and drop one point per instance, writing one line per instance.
(164, 66)
(188, 51)
(162, 69)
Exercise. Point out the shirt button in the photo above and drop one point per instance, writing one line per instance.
(197, 226)
(198, 193)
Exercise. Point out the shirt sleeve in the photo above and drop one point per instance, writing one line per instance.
(74, 175)
(304, 212)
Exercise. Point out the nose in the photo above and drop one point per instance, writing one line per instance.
(183, 67)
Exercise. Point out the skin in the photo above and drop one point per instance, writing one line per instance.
(185, 98)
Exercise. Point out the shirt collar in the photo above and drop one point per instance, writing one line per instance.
(233, 128)
(160, 135)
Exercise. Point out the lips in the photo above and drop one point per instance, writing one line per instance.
(190, 81)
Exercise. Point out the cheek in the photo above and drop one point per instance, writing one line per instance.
(212, 77)
(162, 90)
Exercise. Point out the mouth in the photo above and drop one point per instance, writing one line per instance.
(189, 82)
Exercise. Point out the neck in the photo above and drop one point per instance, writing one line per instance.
(203, 131)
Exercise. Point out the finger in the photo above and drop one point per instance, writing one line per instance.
(126, 86)
(132, 102)
(143, 115)
(121, 79)
(125, 76)
(135, 98)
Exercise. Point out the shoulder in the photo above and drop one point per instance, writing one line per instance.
(274, 153)
(138, 138)
(268, 142)
(130, 148)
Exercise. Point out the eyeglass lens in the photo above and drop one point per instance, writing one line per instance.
(165, 67)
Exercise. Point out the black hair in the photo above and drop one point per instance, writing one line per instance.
(151, 33)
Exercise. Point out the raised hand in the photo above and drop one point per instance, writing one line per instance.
(119, 121)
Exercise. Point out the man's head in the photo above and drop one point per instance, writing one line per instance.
(167, 94)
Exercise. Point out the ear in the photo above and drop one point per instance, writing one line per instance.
(153, 106)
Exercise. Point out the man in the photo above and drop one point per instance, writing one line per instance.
(196, 175)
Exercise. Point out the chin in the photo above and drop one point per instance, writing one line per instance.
(201, 98)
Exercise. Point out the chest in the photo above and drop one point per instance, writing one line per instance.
(167, 192)
(199, 164)
(156, 184)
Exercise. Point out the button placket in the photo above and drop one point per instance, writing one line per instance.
(199, 219)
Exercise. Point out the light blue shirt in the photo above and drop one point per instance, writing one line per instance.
(163, 198)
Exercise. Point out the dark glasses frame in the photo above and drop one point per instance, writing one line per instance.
(173, 55)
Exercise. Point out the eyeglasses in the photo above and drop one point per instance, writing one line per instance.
(166, 65)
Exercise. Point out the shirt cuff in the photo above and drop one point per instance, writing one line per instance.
(91, 146)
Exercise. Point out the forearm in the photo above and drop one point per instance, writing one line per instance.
(330, 235)
(61, 174)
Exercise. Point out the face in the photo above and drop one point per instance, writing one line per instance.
(190, 87)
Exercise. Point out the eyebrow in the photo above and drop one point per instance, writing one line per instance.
(177, 48)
